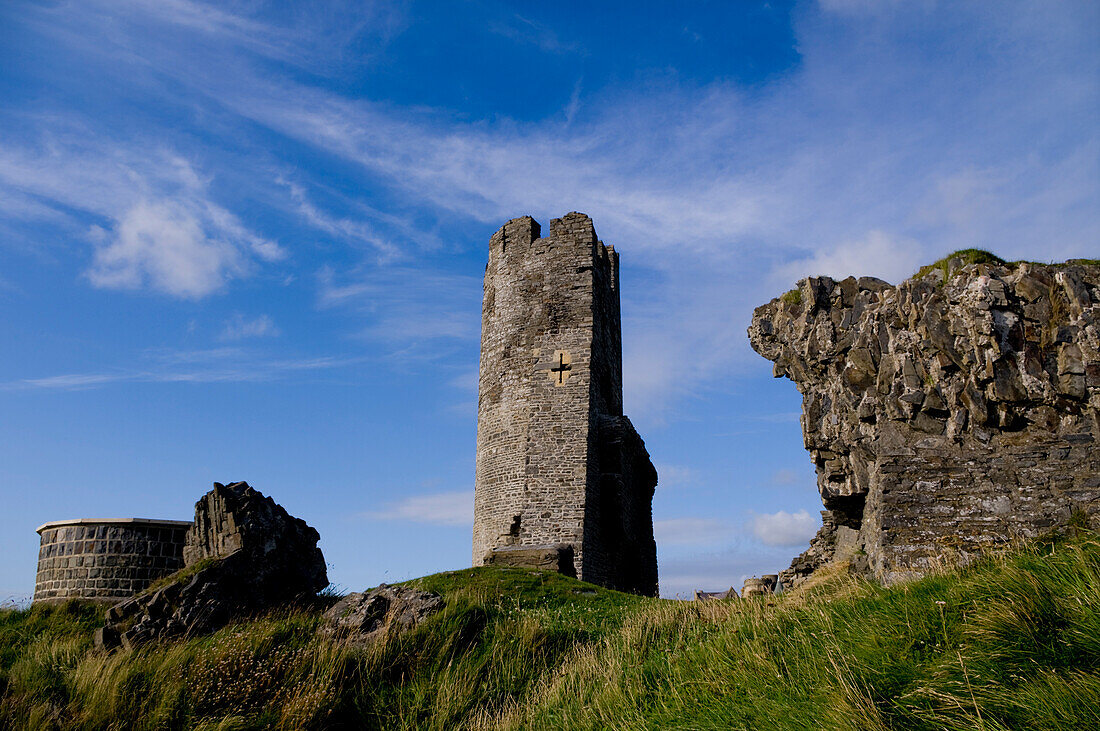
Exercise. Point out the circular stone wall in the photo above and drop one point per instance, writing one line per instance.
(106, 560)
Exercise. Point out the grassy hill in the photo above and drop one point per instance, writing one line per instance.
(1012, 641)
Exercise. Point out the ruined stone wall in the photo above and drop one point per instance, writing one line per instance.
(106, 560)
(619, 518)
(551, 369)
(945, 415)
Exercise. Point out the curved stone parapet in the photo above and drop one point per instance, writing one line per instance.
(952, 412)
(106, 560)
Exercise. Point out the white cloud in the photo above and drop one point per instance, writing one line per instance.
(161, 230)
(239, 327)
(785, 529)
(856, 7)
(524, 30)
(468, 381)
(12, 599)
(342, 228)
(875, 153)
(446, 508)
(718, 570)
(855, 163)
(71, 381)
(163, 246)
(876, 254)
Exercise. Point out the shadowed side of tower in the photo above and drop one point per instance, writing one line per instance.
(561, 473)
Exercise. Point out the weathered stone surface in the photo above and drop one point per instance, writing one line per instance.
(943, 416)
(281, 549)
(557, 462)
(557, 558)
(244, 554)
(362, 618)
(758, 586)
(105, 560)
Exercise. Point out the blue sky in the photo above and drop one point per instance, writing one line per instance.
(246, 240)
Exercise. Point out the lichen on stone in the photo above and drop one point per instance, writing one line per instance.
(947, 414)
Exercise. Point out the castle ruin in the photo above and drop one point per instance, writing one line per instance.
(946, 415)
(562, 478)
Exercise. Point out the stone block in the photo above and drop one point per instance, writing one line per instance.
(557, 558)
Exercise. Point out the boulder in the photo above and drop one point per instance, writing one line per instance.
(277, 551)
(361, 618)
(244, 554)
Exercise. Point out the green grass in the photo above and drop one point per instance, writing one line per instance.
(981, 256)
(1012, 641)
(792, 297)
(968, 256)
(184, 573)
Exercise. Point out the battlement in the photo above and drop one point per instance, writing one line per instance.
(523, 237)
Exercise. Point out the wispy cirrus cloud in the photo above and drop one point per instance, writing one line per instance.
(409, 310)
(524, 30)
(232, 367)
(69, 381)
(343, 228)
(320, 38)
(691, 532)
(445, 508)
(729, 197)
(875, 153)
(240, 327)
(152, 221)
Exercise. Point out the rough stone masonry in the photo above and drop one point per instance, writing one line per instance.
(945, 415)
(105, 560)
(244, 553)
(560, 470)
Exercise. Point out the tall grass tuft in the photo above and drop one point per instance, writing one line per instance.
(1010, 641)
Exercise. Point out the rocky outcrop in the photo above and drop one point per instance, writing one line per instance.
(278, 550)
(362, 618)
(243, 554)
(949, 413)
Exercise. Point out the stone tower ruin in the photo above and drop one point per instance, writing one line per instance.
(562, 477)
